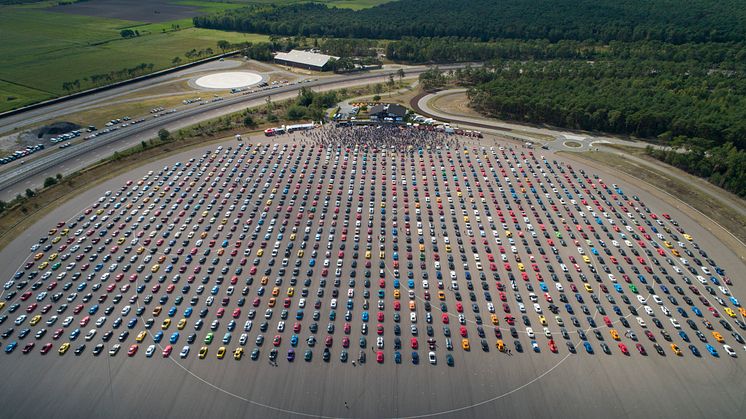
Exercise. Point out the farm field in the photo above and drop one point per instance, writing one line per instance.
(44, 49)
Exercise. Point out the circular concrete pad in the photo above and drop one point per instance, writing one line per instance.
(228, 80)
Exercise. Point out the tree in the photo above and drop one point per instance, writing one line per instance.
(248, 121)
(223, 45)
(296, 112)
(164, 135)
(50, 181)
(58, 176)
(401, 74)
(376, 98)
(30, 193)
(127, 33)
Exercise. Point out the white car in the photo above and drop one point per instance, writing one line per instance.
(530, 332)
(675, 323)
(150, 351)
(431, 357)
(730, 351)
(184, 351)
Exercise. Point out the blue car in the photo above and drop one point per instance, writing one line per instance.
(397, 357)
(543, 287)
(365, 316)
(697, 311)
(158, 337)
(11, 347)
(74, 334)
(174, 337)
(93, 309)
(684, 336)
(294, 340)
(132, 323)
(588, 347)
(712, 350)
(172, 311)
(415, 358)
(188, 312)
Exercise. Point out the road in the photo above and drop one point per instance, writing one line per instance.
(16, 179)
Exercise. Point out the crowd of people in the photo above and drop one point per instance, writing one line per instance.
(378, 137)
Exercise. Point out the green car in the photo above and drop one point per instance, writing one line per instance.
(308, 355)
(633, 288)
(208, 338)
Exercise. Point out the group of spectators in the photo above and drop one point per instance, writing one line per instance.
(378, 137)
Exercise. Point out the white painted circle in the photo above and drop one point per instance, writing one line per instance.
(228, 80)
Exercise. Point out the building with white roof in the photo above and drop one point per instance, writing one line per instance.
(304, 59)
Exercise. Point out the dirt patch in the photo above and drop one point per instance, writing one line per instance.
(456, 104)
(573, 144)
(151, 11)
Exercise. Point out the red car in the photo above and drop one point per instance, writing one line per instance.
(414, 343)
(236, 313)
(277, 340)
(46, 348)
(641, 349)
(132, 350)
(552, 346)
(624, 349)
(167, 351)
(379, 357)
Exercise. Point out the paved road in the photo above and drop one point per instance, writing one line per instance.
(17, 179)
(481, 384)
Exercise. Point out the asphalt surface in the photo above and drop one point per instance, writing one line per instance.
(16, 178)
(480, 383)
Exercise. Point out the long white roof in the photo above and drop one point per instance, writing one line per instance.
(305, 57)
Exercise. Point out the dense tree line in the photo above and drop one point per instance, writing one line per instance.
(724, 166)
(95, 80)
(729, 55)
(601, 20)
(649, 99)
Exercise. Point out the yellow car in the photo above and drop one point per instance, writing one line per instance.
(448, 248)
(221, 352)
(120, 240)
(586, 259)
(260, 252)
(382, 254)
(65, 346)
(52, 257)
(675, 253)
(264, 280)
(181, 324)
(292, 237)
(367, 254)
(141, 336)
(237, 354)
(500, 345)
(34, 320)
(155, 268)
(2, 305)
(38, 256)
(494, 320)
(676, 349)
(614, 334)
(140, 250)
(166, 323)
(521, 267)
(543, 320)
(56, 239)
(688, 237)
(730, 312)
(465, 344)
(397, 294)
(718, 337)
(301, 253)
(275, 291)
(43, 265)
(588, 288)
(441, 295)
(668, 245)
(508, 234)
(740, 310)
(422, 248)
(466, 218)
(291, 292)
(202, 352)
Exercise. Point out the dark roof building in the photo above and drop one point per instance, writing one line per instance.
(387, 112)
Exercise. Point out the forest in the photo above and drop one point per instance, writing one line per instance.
(600, 20)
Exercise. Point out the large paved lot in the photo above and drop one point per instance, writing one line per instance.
(355, 250)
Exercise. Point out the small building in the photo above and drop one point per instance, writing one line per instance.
(304, 59)
(387, 112)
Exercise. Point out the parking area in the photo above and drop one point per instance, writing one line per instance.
(452, 256)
